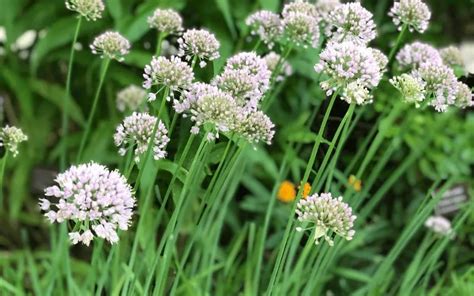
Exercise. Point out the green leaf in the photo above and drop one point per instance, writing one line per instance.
(224, 7)
(55, 94)
(271, 5)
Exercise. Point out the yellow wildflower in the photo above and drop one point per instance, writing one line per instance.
(355, 183)
(287, 192)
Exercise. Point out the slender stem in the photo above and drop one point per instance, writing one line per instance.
(65, 118)
(159, 43)
(2, 172)
(394, 49)
(308, 170)
(104, 67)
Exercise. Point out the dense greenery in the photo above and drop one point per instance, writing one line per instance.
(207, 219)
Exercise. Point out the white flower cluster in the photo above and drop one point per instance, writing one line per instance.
(351, 22)
(96, 200)
(90, 9)
(324, 8)
(10, 138)
(130, 98)
(137, 131)
(267, 25)
(300, 24)
(111, 45)
(414, 54)
(452, 56)
(411, 88)
(272, 60)
(171, 73)
(200, 44)
(325, 213)
(255, 127)
(413, 13)
(166, 21)
(440, 225)
(352, 68)
(246, 77)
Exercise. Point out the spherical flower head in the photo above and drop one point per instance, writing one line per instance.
(272, 59)
(255, 66)
(200, 44)
(299, 6)
(166, 21)
(214, 109)
(440, 84)
(130, 98)
(351, 22)
(464, 96)
(190, 95)
(326, 213)
(172, 73)
(241, 85)
(452, 56)
(380, 57)
(137, 130)
(412, 88)
(412, 55)
(413, 13)
(324, 8)
(10, 138)
(98, 201)
(347, 63)
(266, 25)
(255, 127)
(111, 45)
(90, 9)
(440, 226)
(301, 29)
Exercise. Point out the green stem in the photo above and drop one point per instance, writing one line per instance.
(2, 173)
(104, 67)
(65, 118)
(159, 43)
(309, 167)
(394, 49)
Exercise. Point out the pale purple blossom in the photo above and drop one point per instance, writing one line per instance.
(351, 22)
(200, 44)
(301, 29)
(99, 202)
(111, 45)
(413, 13)
(452, 56)
(440, 84)
(299, 6)
(464, 96)
(266, 25)
(254, 65)
(349, 62)
(324, 214)
(324, 8)
(414, 54)
(137, 131)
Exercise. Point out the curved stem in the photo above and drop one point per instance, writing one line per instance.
(65, 118)
(104, 67)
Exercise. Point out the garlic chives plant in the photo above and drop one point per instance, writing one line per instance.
(166, 22)
(110, 46)
(91, 10)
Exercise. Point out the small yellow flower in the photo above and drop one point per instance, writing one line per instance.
(306, 189)
(355, 183)
(287, 192)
